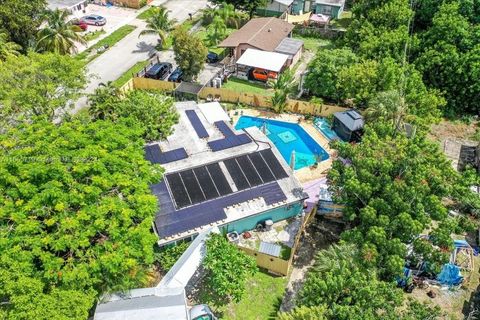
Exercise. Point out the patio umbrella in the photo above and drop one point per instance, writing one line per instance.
(264, 128)
(292, 160)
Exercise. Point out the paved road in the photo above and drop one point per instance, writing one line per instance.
(132, 49)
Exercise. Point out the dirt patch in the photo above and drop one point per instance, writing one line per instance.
(453, 129)
(320, 234)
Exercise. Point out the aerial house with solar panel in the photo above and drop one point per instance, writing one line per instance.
(217, 176)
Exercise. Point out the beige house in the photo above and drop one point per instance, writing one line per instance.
(260, 33)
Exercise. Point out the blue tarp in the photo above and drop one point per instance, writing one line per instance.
(450, 275)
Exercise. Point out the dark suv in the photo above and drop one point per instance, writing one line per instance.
(159, 71)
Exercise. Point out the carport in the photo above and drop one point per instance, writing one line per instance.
(270, 61)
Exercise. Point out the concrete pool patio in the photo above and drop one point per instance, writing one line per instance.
(303, 174)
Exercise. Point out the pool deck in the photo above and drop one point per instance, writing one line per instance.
(308, 173)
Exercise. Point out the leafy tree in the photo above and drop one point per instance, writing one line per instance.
(190, 53)
(392, 188)
(159, 24)
(166, 257)
(449, 59)
(305, 313)
(21, 19)
(39, 85)
(227, 269)
(322, 77)
(250, 6)
(75, 218)
(58, 36)
(155, 112)
(8, 48)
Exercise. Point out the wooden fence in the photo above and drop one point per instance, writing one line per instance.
(227, 95)
(275, 264)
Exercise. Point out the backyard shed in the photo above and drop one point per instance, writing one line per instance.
(271, 61)
(293, 48)
(275, 8)
(348, 125)
(332, 8)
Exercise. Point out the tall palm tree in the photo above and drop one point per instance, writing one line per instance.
(8, 48)
(230, 17)
(103, 101)
(58, 35)
(217, 31)
(389, 106)
(159, 24)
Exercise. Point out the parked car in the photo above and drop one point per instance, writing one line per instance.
(176, 75)
(201, 312)
(94, 19)
(261, 74)
(81, 24)
(159, 71)
(212, 57)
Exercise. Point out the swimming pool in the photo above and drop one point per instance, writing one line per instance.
(287, 137)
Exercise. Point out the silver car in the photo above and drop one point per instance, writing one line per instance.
(201, 312)
(94, 19)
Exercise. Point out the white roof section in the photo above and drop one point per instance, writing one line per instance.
(272, 61)
(336, 3)
(285, 2)
(213, 112)
(145, 304)
(63, 4)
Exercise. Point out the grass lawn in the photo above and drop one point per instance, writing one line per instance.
(261, 300)
(146, 14)
(128, 74)
(202, 34)
(94, 35)
(240, 85)
(90, 54)
(313, 44)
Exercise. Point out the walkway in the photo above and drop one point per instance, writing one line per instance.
(122, 56)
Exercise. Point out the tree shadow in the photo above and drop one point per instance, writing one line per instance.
(144, 47)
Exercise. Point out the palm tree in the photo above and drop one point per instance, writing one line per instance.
(216, 31)
(389, 106)
(283, 88)
(8, 48)
(103, 101)
(230, 17)
(159, 24)
(58, 35)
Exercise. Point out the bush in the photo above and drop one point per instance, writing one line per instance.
(166, 257)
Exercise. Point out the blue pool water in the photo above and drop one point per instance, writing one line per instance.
(324, 127)
(287, 137)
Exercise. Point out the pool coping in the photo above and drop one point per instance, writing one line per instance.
(307, 173)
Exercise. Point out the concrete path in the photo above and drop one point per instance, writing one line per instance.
(118, 59)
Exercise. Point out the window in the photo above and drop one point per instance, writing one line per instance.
(327, 10)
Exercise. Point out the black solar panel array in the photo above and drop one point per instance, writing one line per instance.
(169, 221)
(229, 142)
(190, 187)
(196, 124)
(224, 128)
(155, 155)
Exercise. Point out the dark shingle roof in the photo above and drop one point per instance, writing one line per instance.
(351, 119)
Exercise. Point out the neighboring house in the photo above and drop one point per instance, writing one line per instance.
(275, 8)
(291, 47)
(332, 8)
(123, 3)
(75, 7)
(216, 176)
(259, 33)
(348, 125)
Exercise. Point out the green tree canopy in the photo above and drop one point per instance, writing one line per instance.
(190, 52)
(227, 269)
(39, 85)
(75, 215)
(8, 48)
(21, 19)
(155, 112)
(392, 188)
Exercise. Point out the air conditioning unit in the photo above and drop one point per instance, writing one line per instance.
(233, 237)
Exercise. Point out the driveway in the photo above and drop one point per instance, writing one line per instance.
(118, 59)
